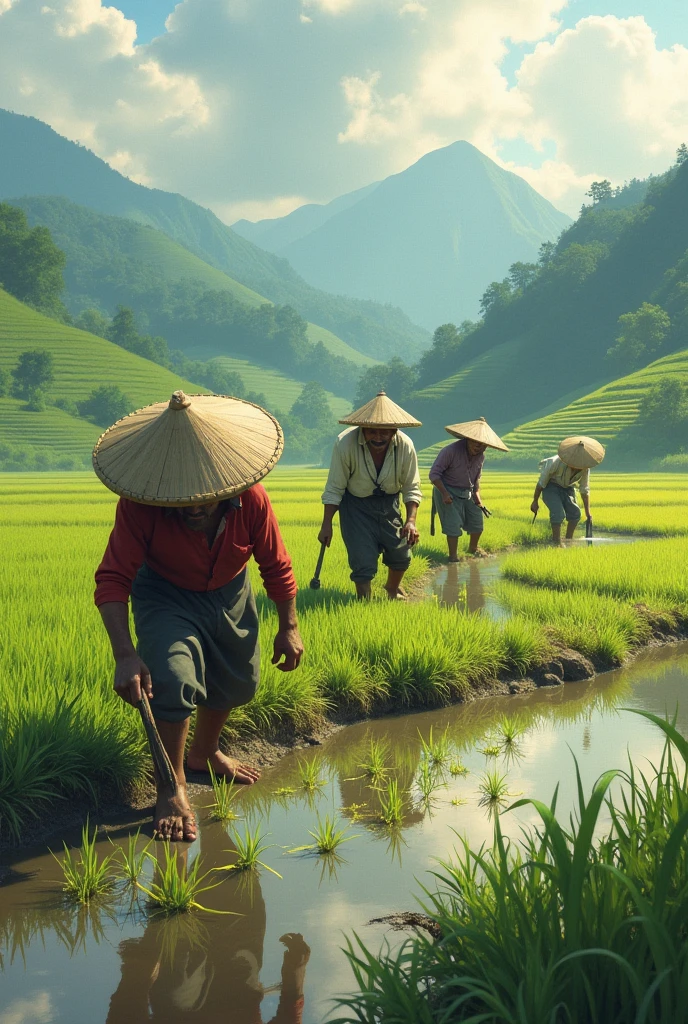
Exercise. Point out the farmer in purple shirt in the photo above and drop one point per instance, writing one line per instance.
(455, 476)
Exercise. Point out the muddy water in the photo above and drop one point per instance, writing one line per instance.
(120, 964)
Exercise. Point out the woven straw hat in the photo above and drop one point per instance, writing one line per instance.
(478, 430)
(188, 451)
(381, 411)
(581, 452)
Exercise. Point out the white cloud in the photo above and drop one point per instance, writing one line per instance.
(257, 209)
(35, 1010)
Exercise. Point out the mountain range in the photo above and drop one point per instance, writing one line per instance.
(429, 239)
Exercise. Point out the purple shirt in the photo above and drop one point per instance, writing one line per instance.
(456, 468)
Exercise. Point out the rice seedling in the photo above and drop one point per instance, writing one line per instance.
(392, 804)
(494, 791)
(457, 767)
(436, 751)
(249, 847)
(309, 774)
(224, 794)
(355, 811)
(458, 801)
(428, 781)
(491, 750)
(284, 791)
(327, 837)
(133, 860)
(176, 887)
(86, 876)
(510, 731)
(374, 764)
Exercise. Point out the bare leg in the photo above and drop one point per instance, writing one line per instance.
(205, 747)
(571, 528)
(173, 819)
(393, 584)
(453, 545)
(473, 548)
(556, 534)
(363, 590)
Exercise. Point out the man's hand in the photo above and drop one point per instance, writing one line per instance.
(288, 643)
(535, 507)
(477, 499)
(325, 535)
(410, 531)
(131, 677)
(447, 498)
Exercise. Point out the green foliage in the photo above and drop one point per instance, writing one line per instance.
(641, 335)
(600, 190)
(327, 837)
(176, 886)
(580, 921)
(34, 371)
(5, 382)
(224, 795)
(392, 804)
(249, 847)
(132, 859)
(86, 877)
(31, 265)
(93, 322)
(395, 377)
(309, 774)
(105, 404)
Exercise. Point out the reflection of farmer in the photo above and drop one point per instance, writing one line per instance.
(206, 978)
(455, 476)
(190, 517)
(558, 476)
(371, 463)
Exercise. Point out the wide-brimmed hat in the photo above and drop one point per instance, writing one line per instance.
(381, 411)
(478, 430)
(581, 452)
(188, 451)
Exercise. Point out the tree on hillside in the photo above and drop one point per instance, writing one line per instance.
(682, 153)
(665, 405)
(31, 264)
(105, 405)
(34, 372)
(219, 379)
(546, 253)
(522, 275)
(641, 335)
(93, 321)
(495, 296)
(600, 190)
(122, 330)
(576, 261)
(312, 408)
(394, 377)
(5, 383)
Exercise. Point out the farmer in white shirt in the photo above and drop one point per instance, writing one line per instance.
(559, 475)
(373, 463)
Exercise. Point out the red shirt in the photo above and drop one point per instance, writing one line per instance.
(157, 536)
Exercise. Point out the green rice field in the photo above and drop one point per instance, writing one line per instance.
(65, 732)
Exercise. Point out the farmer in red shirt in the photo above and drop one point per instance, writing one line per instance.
(190, 515)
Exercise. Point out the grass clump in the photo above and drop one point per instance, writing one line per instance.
(133, 861)
(374, 764)
(176, 887)
(309, 775)
(248, 850)
(569, 924)
(493, 789)
(224, 794)
(437, 752)
(86, 876)
(392, 804)
(327, 837)
(457, 767)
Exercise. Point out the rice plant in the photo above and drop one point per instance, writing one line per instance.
(374, 764)
(491, 750)
(224, 794)
(132, 860)
(176, 887)
(327, 837)
(249, 847)
(493, 790)
(436, 751)
(510, 731)
(428, 781)
(457, 767)
(309, 774)
(86, 876)
(392, 804)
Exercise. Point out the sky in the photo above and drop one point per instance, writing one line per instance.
(254, 107)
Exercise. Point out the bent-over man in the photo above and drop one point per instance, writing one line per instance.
(189, 518)
(373, 462)
(559, 475)
(455, 476)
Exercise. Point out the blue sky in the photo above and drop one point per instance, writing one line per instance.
(253, 107)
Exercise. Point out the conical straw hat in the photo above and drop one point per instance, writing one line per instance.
(188, 451)
(581, 452)
(381, 411)
(478, 430)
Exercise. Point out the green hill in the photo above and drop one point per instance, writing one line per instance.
(36, 161)
(601, 414)
(547, 329)
(111, 261)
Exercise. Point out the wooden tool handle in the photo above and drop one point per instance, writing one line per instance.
(161, 760)
(318, 567)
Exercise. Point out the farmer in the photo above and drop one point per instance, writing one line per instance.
(190, 515)
(372, 462)
(455, 476)
(558, 476)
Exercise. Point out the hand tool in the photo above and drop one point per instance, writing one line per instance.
(315, 582)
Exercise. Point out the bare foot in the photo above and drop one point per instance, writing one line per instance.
(396, 595)
(227, 767)
(478, 553)
(174, 820)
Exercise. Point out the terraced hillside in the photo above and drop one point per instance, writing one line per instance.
(601, 414)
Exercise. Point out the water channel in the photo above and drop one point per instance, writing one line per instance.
(121, 965)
